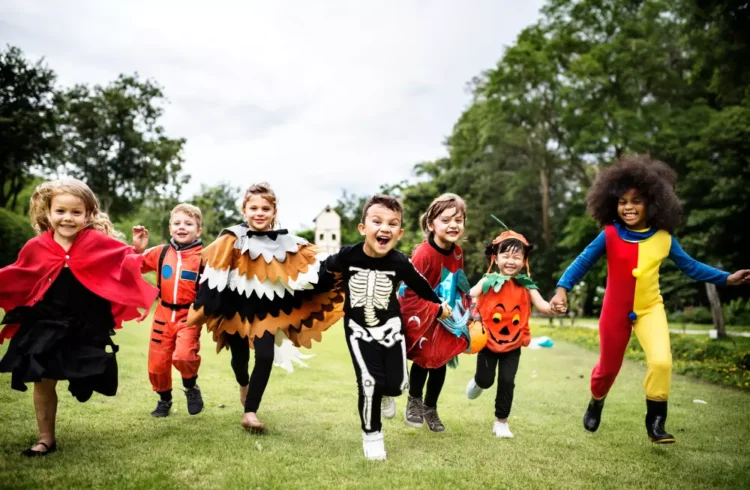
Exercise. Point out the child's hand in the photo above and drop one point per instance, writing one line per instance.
(446, 311)
(738, 278)
(140, 238)
(559, 302)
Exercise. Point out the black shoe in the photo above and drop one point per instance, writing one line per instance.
(194, 400)
(30, 453)
(656, 417)
(162, 408)
(413, 412)
(593, 415)
(432, 419)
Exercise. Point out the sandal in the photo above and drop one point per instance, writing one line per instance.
(30, 453)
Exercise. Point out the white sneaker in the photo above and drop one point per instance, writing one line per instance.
(388, 407)
(472, 390)
(374, 446)
(501, 429)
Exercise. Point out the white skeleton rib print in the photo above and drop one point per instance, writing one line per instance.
(370, 289)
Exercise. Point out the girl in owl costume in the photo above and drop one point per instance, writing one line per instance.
(259, 288)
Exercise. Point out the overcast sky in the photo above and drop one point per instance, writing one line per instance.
(311, 96)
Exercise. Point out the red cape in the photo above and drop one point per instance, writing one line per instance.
(104, 266)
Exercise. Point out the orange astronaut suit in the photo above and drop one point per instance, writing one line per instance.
(173, 343)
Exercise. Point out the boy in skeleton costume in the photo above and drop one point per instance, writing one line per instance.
(259, 287)
(371, 273)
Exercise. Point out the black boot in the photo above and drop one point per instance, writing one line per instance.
(593, 415)
(656, 416)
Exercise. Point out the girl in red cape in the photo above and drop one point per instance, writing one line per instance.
(70, 287)
(430, 344)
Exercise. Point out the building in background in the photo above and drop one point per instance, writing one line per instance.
(328, 231)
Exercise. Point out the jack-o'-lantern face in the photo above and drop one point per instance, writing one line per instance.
(504, 314)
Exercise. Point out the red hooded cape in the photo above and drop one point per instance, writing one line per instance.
(105, 266)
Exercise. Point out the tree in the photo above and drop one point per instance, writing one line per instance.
(28, 122)
(112, 141)
(220, 206)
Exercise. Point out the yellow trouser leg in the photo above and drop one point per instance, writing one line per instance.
(653, 334)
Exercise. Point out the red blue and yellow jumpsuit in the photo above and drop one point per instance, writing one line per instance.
(172, 342)
(633, 302)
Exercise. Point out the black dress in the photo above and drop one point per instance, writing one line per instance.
(64, 337)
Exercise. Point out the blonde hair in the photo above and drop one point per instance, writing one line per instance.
(262, 189)
(190, 210)
(41, 201)
(440, 204)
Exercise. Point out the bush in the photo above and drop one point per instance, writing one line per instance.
(15, 231)
(737, 312)
(695, 314)
(725, 362)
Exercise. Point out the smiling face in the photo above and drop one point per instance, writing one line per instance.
(631, 208)
(259, 213)
(447, 228)
(183, 228)
(67, 216)
(381, 229)
(510, 261)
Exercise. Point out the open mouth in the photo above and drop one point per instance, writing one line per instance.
(630, 216)
(383, 240)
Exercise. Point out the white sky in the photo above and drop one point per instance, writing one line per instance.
(311, 96)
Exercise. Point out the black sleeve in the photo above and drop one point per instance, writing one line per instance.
(329, 268)
(416, 281)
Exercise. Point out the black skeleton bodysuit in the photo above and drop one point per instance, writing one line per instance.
(372, 322)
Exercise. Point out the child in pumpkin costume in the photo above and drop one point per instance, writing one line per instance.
(172, 341)
(635, 201)
(504, 302)
(260, 286)
(432, 343)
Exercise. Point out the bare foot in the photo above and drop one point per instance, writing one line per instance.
(243, 394)
(250, 422)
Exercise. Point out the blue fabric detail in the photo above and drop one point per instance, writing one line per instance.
(189, 275)
(581, 265)
(695, 270)
(632, 316)
(633, 236)
(166, 272)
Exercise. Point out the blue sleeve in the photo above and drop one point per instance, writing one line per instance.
(695, 270)
(583, 263)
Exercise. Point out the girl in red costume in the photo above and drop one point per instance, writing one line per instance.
(635, 201)
(70, 287)
(431, 345)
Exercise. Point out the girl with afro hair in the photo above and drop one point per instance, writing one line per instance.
(634, 200)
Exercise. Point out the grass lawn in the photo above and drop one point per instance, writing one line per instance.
(314, 438)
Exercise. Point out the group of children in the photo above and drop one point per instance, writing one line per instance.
(257, 286)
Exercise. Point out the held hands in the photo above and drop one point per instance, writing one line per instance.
(559, 303)
(446, 311)
(738, 278)
(140, 238)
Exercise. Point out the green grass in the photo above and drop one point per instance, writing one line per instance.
(314, 438)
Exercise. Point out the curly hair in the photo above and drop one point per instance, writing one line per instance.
(262, 189)
(41, 201)
(438, 206)
(654, 180)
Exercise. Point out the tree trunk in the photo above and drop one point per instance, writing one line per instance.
(716, 313)
(546, 233)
